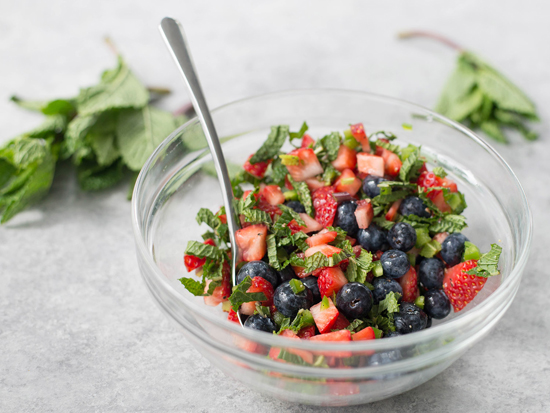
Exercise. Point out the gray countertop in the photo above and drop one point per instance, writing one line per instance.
(78, 331)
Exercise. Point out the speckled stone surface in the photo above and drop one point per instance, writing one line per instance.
(78, 331)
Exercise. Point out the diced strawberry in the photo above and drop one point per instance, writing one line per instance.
(441, 236)
(392, 163)
(340, 335)
(325, 205)
(259, 285)
(370, 164)
(272, 210)
(307, 141)
(352, 241)
(347, 182)
(324, 319)
(288, 185)
(306, 332)
(232, 316)
(460, 287)
(327, 250)
(295, 227)
(251, 242)
(226, 289)
(257, 169)
(365, 334)
(308, 166)
(223, 218)
(357, 250)
(275, 351)
(311, 224)
(331, 280)
(216, 297)
(358, 132)
(364, 214)
(439, 201)
(323, 237)
(392, 212)
(448, 183)
(191, 262)
(300, 272)
(427, 179)
(346, 158)
(272, 194)
(314, 183)
(341, 322)
(409, 284)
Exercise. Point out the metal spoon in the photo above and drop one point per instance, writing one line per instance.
(173, 35)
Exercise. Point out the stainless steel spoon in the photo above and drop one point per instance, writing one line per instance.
(173, 35)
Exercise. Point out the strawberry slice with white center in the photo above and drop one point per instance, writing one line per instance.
(365, 334)
(272, 194)
(364, 214)
(409, 284)
(314, 183)
(325, 315)
(370, 164)
(327, 250)
(252, 242)
(323, 237)
(392, 163)
(216, 297)
(346, 158)
(358, 132)
(311, 224)
(307, 165)
(348, 182)
(331, 280)
(256, 169)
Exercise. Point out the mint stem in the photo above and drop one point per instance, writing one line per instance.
(430, 35)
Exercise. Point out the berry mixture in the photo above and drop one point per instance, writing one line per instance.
(345, 237)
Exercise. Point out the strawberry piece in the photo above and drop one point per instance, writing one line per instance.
(323, 237)
(392, 163)
(346, 158)
(409, 284)
(306, 332)
(272, 210)
(392, 212)
(191, 262)
(259, 285)
(311, 224)
(307, 141)
(251, 242)
(232, 316)
(223, 218)
(314, 183)
(257, 169)
(272, 194)
(216, 297)
(308, 166)
(341, 322)
(340, 335)
(352, 241)
(325, 205)
(324, 319)
(441, 236)
(364, 214)
(461, 288)
(226, 287)
(347, 182)
(330, 281)
(448, 183)
(275, 351)
(288, 185)
(327, 250)
(300, 272)
(365, 334)
(439, 201)
(370, 164)
(358, 132)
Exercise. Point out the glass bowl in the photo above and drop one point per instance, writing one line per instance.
(178, 179)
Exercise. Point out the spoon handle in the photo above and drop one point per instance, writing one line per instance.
(173, 35)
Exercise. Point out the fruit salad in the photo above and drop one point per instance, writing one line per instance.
(345, 237)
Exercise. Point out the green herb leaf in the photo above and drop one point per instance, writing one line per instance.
(330, 145)
(304, 195)
(300, 133)
(297, 286)
(272, 145)
(440, 172)
(193, 286)
(289, 160)
(449, 223)
(94, 177)
(358, 268)
(390, 303)
(411, 166)
(240, 295)
(487, 265)
(201, 250)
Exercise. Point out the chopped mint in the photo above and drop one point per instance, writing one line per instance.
(272, 145)
(440, 172)
(193, 286)
(198, 249)
(430, 249)
(300, 133)
(241, 296)
(304, 195)
(487, 265)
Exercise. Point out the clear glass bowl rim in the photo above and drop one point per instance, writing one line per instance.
(376, 345)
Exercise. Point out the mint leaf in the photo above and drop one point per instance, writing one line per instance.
(330, 174)
(356, 325)
(272, 145)
(302, 320)
(300, 133)
(304, 195)
(201, 250)
(118, 89)
(278, 172)
(206, 216)
(94, 177)
(449, 223)
(390, 303)
(330, 145)
(411, 166)
(75, 137)
(317, 260)
(193, 286)
(487, 265)
(392, 147)
(240, 295)
(32, 105)
(139, 132)
(257, 216)
(358, 268)
(440, 172)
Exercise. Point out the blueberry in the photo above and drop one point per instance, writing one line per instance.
(311, 283)
(286, 274)
(395, 263)
(385, 357)
(354, 300)
(288, 303)
(383, 286)
(436, 304)
(372, 238)
(258, 269)
(409, 319)
(296, 206)
(391, 334)
(261, 323)
(452, 249)
(402, 236)
(430, 273)
(345, 218)
(413, 205)
(429, 322)
(370, 185)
